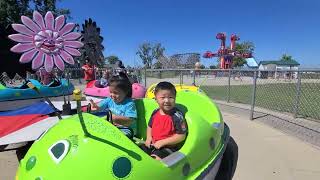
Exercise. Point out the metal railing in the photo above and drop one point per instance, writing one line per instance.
(290, 92)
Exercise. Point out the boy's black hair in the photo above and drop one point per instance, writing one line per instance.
(122, 82)
(164, 85)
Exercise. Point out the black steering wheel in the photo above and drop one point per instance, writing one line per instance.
(89, 108)
(109, 116)
(109, 113)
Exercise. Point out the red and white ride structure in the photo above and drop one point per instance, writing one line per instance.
(226, 54)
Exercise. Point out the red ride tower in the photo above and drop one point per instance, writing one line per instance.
(226, 54)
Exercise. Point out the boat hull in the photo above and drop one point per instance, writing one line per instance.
(98, 150)
(138, 91)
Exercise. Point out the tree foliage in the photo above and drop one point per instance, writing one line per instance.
(157, 65)
(12, 10)
(286, 57)
(242, 48)
(202, 66)
(148, 52)
(213, 67)
(112, 59)
(92, 40)
(43, 6)
(157, 50)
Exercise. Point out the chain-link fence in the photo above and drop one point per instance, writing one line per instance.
(293, 92)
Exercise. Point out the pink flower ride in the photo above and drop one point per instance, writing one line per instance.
(46, 41)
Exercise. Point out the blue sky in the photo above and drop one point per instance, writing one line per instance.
(274, 26)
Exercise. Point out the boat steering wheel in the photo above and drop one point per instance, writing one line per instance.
(109, 116)
(89, 108)
(109, 113)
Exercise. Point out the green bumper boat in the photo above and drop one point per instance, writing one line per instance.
(92, 148)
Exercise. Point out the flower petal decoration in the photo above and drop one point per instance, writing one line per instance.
(67, 28)
(72, 51)
(71, 36)
(73, 44)
(48, 63)
(30, 24)
(20, 48)
(37, 17)
(38, 60)
(49, 19)
(28, 56)
(60, 21)
(20, 38)
(67, 57)
(58, 62)
(22, 29)
(46, 41)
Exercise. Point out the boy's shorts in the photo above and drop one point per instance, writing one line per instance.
(161, 153)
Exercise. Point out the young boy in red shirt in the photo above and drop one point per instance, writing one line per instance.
(167, 127)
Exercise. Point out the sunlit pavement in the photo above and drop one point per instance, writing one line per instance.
(266, 153)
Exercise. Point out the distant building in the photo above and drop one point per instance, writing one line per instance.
(251, 63)
(270, 69)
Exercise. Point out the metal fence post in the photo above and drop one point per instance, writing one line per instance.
(79, 77)
(145, 77)
(298, 93)
(194, 77)
(253, 100)
(229, 87)
(181, 80)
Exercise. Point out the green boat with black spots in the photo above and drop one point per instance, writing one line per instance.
(85, 146)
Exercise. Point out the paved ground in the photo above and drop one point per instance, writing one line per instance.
(8, 165)
(307, 130)
(264, 152)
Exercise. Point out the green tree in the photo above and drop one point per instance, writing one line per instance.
(157, 50)
(148, 52)
(238, 61)
(213, 67)
(112, 59)
(157, 65)
(242, 48)
(43, 6)
(12, 10)
(145, 53)
(286, 57)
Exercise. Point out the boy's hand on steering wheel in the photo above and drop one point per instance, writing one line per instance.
(148, 142)
(158, 144)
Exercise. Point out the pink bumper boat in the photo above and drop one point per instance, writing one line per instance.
(138, 90)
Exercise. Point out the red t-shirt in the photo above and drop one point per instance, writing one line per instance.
(164, 126)
(88, 72)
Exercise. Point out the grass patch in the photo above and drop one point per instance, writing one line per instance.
(279, 97)
(163, 74)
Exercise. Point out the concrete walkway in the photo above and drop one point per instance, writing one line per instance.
(264, 153)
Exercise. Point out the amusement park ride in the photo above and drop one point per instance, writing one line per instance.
(226, 54)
